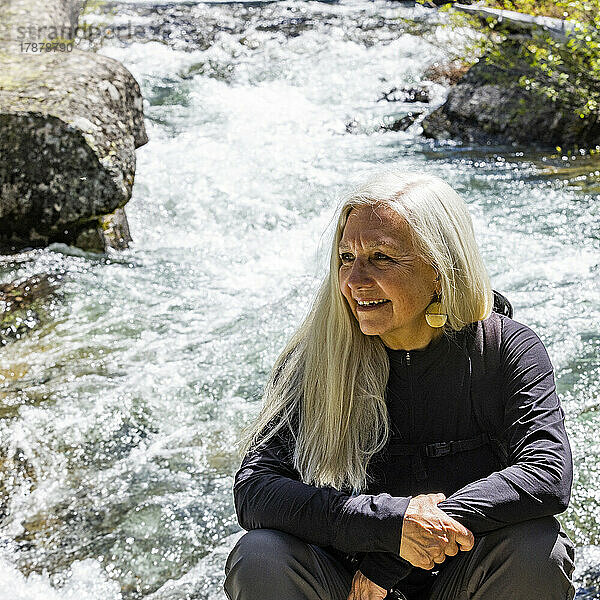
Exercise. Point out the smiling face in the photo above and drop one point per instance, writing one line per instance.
(380, 263)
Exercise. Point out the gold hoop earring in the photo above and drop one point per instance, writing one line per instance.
(433, 313)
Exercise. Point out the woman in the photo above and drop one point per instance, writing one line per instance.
(410, 439)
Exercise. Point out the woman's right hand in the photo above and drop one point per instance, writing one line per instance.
(429, 534)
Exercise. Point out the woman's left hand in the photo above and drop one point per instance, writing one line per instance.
(364, 589)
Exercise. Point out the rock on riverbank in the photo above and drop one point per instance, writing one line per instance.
(70, 122)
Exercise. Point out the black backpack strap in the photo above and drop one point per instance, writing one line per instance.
(502, 305)
(420, 451)
(397, 448)
(486, 370)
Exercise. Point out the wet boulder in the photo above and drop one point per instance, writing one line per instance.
(70, 122)
(408, 95)
(401, 124)
(23, 305)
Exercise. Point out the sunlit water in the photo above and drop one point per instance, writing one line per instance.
(121, 409)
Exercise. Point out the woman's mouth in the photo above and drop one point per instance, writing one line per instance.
(367, 305)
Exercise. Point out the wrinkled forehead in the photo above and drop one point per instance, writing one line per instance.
(376, 225)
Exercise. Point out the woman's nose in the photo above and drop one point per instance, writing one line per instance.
(359, 275)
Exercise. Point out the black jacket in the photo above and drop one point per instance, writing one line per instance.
(429, 400)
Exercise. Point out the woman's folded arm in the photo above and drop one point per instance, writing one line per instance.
(268, 493)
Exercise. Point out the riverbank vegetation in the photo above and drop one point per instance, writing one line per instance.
(564, 69)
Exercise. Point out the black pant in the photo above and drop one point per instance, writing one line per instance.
(532, 560)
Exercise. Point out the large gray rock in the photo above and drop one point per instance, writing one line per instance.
(488, 106)
(69, 126)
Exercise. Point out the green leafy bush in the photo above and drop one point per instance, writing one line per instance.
(563, 70)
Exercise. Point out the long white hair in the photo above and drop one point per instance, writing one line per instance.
(327, 387)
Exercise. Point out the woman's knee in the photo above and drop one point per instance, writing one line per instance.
(263, 547)
(537, 554)
(534, 541)
(258, 560)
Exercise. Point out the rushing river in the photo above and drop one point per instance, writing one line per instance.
(120, 409)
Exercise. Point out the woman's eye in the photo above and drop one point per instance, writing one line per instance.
(345, 256)
(380, 256)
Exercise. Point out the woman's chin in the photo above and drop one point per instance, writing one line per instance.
(371, 328)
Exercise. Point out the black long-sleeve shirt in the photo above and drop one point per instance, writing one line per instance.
(429, 400)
